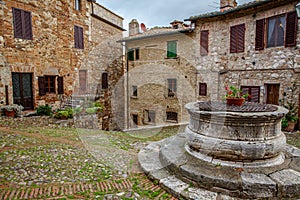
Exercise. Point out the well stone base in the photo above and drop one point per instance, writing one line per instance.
(188, 177)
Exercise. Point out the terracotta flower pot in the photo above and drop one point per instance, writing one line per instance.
(235, 101)
(10, 113)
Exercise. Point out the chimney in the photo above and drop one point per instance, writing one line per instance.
(177, 24)
(227, 4)
(134, 27)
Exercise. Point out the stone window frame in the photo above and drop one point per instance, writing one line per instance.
(22, 21)
(171, 116)
(50, 84)
(237, 38)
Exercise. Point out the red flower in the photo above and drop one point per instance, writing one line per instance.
(229, 93)
(226, 88)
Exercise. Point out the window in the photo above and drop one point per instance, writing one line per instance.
(172, 87)
(202, 89)
(78, 37)
(279, 30)
(237, 38)
(276, 26)
(22, 24)
(104, 80)
(204, 43)
(172, 49)
(134, 91)
(253, 91)
(77, 5)
(133, 53)
(135, 120)
(172, 116)
(47, 84)
(149, 116)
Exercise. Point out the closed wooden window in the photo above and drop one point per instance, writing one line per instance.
(78, 37)
(172, 87)
(237, 38)
(202, 89)
(253, 91)
(22, 24)
(172, 49)
(41, 82)
(104, 80)
(204, 43)
(50, 84)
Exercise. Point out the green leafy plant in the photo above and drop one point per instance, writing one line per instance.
(45, 110)
(64, 114)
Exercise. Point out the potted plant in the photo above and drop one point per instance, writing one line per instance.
(234, 96)
(290, 119)
(12, 110)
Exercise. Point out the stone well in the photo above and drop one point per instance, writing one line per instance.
(226, 153)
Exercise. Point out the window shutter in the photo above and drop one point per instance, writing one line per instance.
(291, 29)
(233, 42)
(130, 54)
(27, 25)
(202, 89)
(76, 36)
(260, 34)
(172, 49)
(104, 80)
(17, 17)
(255, 93)
(80, 38)
(137, 54)
(60, 85)
(240, 38)
(204, 43)
(41, 82)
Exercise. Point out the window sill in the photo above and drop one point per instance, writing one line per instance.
(133, 97)
(172, 121)
(172, 58)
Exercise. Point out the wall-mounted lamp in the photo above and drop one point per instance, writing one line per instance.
(298, 10)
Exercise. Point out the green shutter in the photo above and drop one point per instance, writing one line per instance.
(130, 54)
(172, 49)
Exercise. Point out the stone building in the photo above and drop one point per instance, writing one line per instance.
(255, 46)
(160, 79)
(51, 50)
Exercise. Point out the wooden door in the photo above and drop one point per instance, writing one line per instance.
(273, 93)
(22, 90)
(82, 81)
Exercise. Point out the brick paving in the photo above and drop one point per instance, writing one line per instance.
(55, 191)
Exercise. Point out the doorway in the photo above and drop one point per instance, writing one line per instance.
(22, 90)
(272, 93)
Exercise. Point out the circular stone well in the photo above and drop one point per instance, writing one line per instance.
(226, 152)
(247, 134)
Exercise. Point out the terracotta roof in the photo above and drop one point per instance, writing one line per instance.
(237, 9)
(154, 32)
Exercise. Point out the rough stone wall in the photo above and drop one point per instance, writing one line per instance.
(150, 74)
(253, 68)
(52, 51)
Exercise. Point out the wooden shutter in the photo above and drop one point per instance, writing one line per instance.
(60, 85)
(172, 49)
(27, 25)
(253, 91)
(80, 38)
(202, 89)
(130, 54)
(104, 80)
(76, 36)
(237, 38)
(41, 82)
(17, 17)
(260, 34)
(291, 29)
(204, 43)
(137, 54)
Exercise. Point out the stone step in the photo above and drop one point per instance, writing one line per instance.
(160, 160)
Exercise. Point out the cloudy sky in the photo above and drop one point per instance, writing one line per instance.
(160, 12)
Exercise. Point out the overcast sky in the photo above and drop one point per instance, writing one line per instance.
(160, 12)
